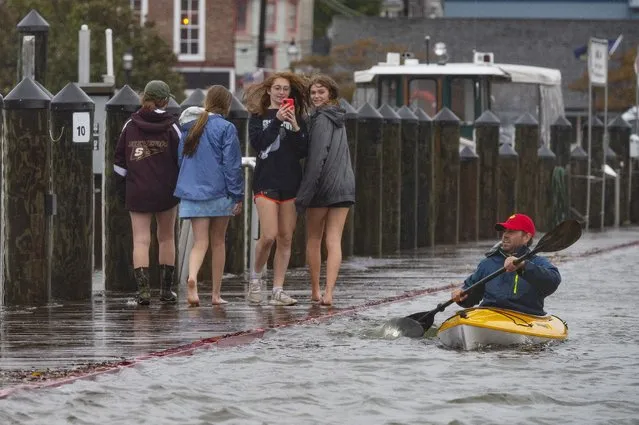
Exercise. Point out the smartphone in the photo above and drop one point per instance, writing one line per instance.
(289, 101)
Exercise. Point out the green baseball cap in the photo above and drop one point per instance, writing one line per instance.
(158, 89)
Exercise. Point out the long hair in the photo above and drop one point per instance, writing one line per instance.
(218, 101)
(258, 100)
(329, 83)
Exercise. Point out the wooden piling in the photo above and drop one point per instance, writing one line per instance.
(408, 186)
(424, 177)
(72, 170)
(487, 145)
(118, 243)
(28, 204)
(468, 195)
(527, 145)
(507, 173)
(391, 179)
(445, 198)
(546, 166)
(368, 183)
(350, 122)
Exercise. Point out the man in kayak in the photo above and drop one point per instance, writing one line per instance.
(524, 286)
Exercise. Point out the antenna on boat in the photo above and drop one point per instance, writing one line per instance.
(427, 40)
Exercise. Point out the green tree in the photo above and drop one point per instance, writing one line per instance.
(324, 10)
(621, 83)
(153, 57)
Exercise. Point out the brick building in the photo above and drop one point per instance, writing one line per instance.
(202, 33)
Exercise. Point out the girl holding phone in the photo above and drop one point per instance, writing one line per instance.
(277, 132)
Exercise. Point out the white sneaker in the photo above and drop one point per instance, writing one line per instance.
(282, 298)
(254, 295)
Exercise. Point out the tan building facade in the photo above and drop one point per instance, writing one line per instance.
(288, 23)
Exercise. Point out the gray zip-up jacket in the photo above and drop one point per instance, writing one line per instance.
(328, 173)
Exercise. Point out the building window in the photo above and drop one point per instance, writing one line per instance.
(140, 9)
(242, 15)
(271, 15)
(292, 16)
(189, 29)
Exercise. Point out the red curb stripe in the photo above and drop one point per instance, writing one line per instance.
(248, 336)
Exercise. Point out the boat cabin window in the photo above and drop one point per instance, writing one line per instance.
(365, 93)
(389, 91)
(462, 102)
(422, 93)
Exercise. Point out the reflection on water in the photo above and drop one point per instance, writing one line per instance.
(348, 371)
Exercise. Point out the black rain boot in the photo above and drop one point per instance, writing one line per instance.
(166, 284)
(143, 297)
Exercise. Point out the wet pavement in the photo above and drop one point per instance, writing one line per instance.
(41, 344)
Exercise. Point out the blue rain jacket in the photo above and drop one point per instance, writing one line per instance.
(522, 291)
(215, 169)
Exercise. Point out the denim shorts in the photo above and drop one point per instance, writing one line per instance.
(220, 207)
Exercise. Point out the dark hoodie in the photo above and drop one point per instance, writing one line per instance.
(328, 174)
(146, 156)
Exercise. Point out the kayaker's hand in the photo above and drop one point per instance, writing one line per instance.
(457, 296)
(510, 266)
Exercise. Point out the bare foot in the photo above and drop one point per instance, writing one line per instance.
(218, 301)
(316, 298)
(325, 300)
(191, 292)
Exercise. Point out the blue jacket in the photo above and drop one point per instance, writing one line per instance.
(522, 291)
(215, 169)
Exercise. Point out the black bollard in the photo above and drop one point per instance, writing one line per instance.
(596, 170)
(619, 133)
(546, 166)
(469, 195)
(487, 146)
(350, 118)
(195, 99)
(508, 170)
(173, 108)
(72, 170)
(577, 182)
(27, 202)
(368, 183)
(560, 139)
(238, 232)
(424, 177)
(445, 195)
(118, 244)
(391, 179)
(408, 187)
(527, 144)
(34, 24)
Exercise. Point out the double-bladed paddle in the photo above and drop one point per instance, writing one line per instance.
(561, 237)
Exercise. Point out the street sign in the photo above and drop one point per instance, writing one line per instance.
(598, 61)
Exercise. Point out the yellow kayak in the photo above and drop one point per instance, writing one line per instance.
(487, 326)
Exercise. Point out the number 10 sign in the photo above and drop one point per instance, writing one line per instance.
(81, 127)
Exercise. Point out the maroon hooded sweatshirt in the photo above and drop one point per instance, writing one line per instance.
(146, 155)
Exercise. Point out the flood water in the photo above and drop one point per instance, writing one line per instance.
(343, 372)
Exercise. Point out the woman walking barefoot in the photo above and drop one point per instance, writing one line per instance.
(210, 184)
(278, 133)
(328, 187)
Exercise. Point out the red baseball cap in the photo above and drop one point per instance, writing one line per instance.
(517, 222)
